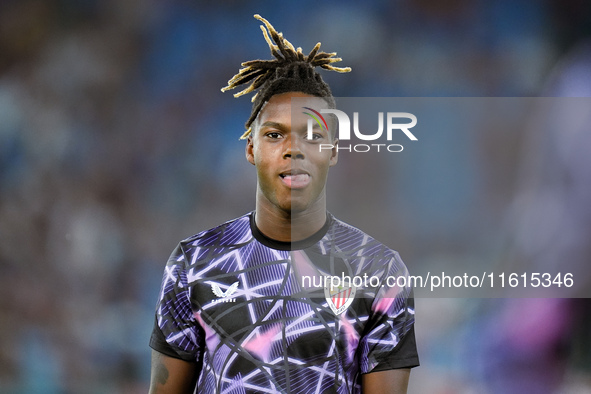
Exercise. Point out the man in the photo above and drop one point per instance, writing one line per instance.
(246, 306)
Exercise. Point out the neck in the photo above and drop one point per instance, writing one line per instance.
(287, 226)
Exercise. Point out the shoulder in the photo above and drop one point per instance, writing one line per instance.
(350, 237)
(228, 233)
(221, 239)
(362, 250)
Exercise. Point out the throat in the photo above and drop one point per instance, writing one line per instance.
(287, 226)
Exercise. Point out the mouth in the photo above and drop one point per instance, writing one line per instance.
(295, 179)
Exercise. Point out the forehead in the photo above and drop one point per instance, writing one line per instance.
(280, 107)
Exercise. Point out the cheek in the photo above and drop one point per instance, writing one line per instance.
(257, 156)
(263, 166)
(322, 160)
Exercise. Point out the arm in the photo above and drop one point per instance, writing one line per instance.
(172, 375)
(393, 381)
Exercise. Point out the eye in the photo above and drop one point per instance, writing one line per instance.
(314, 137)
(274, 135)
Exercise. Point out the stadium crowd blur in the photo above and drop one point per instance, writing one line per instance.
(116, 142)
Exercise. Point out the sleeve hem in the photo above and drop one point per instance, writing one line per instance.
(158, 343)
(410, 362)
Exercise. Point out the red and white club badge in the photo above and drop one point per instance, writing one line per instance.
(339, 297)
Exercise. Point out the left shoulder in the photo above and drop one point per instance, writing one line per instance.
(348, 237)
(353, 244)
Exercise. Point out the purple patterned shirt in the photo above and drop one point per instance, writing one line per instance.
(256, 315)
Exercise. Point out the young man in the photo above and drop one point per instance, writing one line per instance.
(246, 306)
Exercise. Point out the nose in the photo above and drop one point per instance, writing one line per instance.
(292, 148)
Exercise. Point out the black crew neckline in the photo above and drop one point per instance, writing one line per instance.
(282, 245)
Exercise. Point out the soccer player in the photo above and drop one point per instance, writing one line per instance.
(246, 306)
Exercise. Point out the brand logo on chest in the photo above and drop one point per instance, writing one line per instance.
(224, 296)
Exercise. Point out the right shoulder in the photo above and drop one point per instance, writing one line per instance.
(227, 236)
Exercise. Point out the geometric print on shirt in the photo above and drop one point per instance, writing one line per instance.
(232, 300)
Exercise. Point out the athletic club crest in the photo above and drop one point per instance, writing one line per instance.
(339, 297)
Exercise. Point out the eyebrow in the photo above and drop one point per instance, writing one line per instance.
(283, 127)
(276, 125)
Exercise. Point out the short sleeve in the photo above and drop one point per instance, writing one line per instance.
(389, 340)
(176, 332)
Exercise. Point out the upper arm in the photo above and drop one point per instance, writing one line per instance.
(171, 375)
(393, 381)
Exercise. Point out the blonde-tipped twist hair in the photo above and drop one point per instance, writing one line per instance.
(290, 71)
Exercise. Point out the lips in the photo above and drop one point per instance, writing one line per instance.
(295, 179)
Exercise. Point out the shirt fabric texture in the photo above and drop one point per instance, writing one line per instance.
(238, 304)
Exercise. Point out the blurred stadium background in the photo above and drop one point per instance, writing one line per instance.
(116, 142)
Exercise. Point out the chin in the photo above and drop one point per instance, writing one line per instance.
(294, 207)
(300, 208)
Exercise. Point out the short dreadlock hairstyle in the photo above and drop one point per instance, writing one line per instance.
(290, 71)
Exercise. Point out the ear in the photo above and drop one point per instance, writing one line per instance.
(249, 150)
(334, 153)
